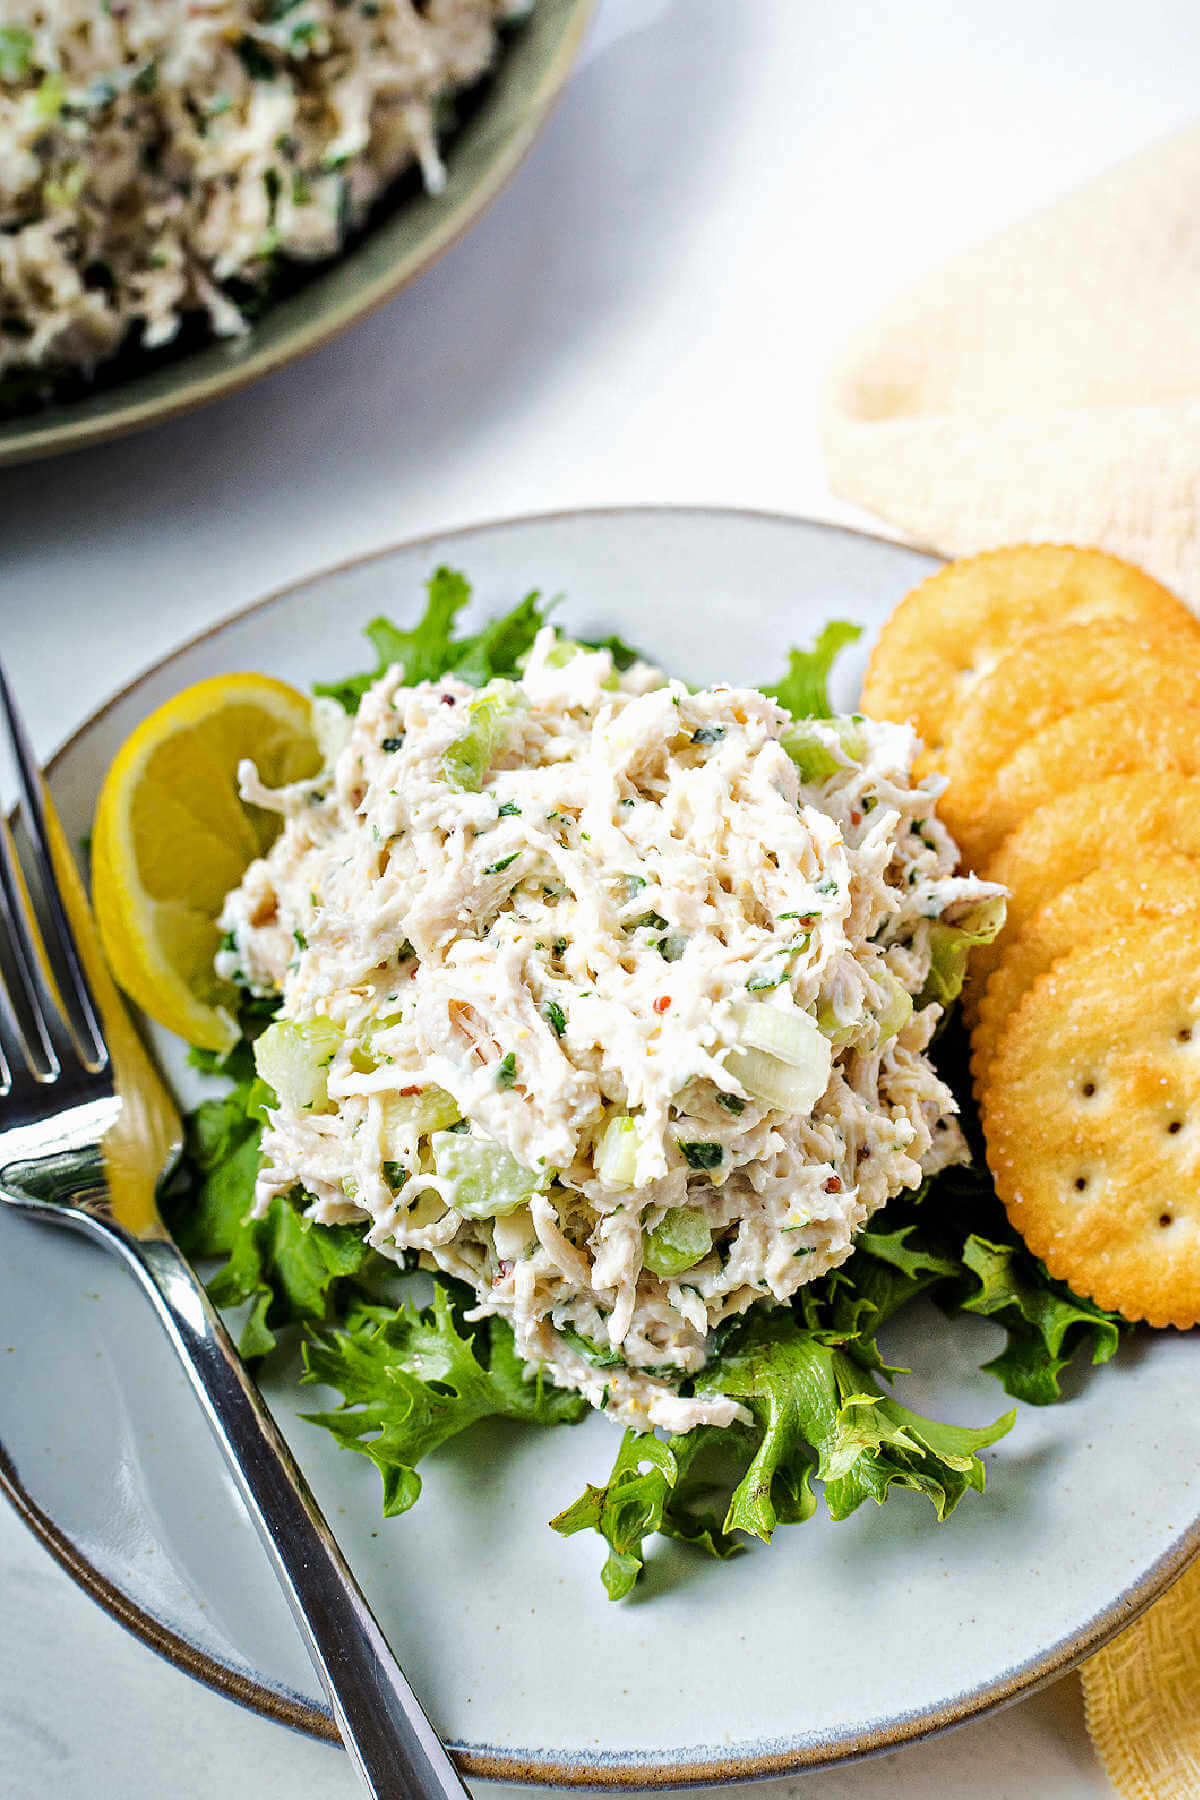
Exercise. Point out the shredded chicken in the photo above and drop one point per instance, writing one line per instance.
(560, 911)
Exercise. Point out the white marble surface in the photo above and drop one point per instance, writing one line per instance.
(646, 315)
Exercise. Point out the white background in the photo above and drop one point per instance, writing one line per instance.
(648, 314)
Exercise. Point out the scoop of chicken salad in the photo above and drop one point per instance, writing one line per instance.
(607, 997)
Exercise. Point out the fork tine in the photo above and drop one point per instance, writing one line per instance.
(25, 1030)
(84, 1019)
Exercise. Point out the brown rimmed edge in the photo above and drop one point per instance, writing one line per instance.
(701, 1766)
(41, 442)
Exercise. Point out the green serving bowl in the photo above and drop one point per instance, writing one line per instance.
(500, 123)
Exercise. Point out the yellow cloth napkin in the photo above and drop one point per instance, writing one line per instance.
(1142, 1698)
(1046, 386)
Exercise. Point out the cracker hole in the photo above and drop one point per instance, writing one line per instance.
(1174, 1126)
(1088, 1089)
(1080, 1183)
(1184, 1035)
(1165, 1219)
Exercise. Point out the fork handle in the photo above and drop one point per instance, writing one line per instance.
(396, 1750)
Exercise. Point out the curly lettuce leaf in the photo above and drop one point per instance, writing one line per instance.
(816, 1414)
(289, 1269)
(412, 1378)
(623, 654)
(804, 689)
(1048, 1326)
(430, 649)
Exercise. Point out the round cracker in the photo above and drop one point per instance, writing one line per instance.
(1043, 677)
(1091, 1112)
(951, 629)
(1099, 823)
(1108, 738)
(1099, 906)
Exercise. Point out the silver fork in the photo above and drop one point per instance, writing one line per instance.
(87, 1131)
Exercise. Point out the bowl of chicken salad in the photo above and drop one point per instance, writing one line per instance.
(580, 1143)
(191, 196)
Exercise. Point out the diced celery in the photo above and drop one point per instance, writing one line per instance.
(514, 1235)
(617, 1153)
(896, 1011)
(812, 757)
(766, 1078)
(950, 946)
(489, 1181)
(679, 1242)
(563, 652)
(782, 1057)
(832, 1027)
(489, 719)
(412, 1115)
(790, 1035)
(293, 1057)
(364, 1055)
(812, 754)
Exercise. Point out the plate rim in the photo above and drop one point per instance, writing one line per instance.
(41, 442)
(617, 1770)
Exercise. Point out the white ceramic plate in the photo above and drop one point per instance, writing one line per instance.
(839, 1639)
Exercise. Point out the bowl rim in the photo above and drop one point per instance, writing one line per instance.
(607, 1771)
(192, 392)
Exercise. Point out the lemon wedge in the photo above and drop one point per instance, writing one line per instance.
(172, 836)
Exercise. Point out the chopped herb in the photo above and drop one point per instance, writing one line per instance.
(510, 810)
(498, 868)
(254, 59)
(702, 1156)
(708, 734)
(393, 743)
(602, 1355)
(556, 1016)
(732, 1103)
(506, 1070)
(827, 887)
(301, 940)
(652, 921)
(228, 941)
